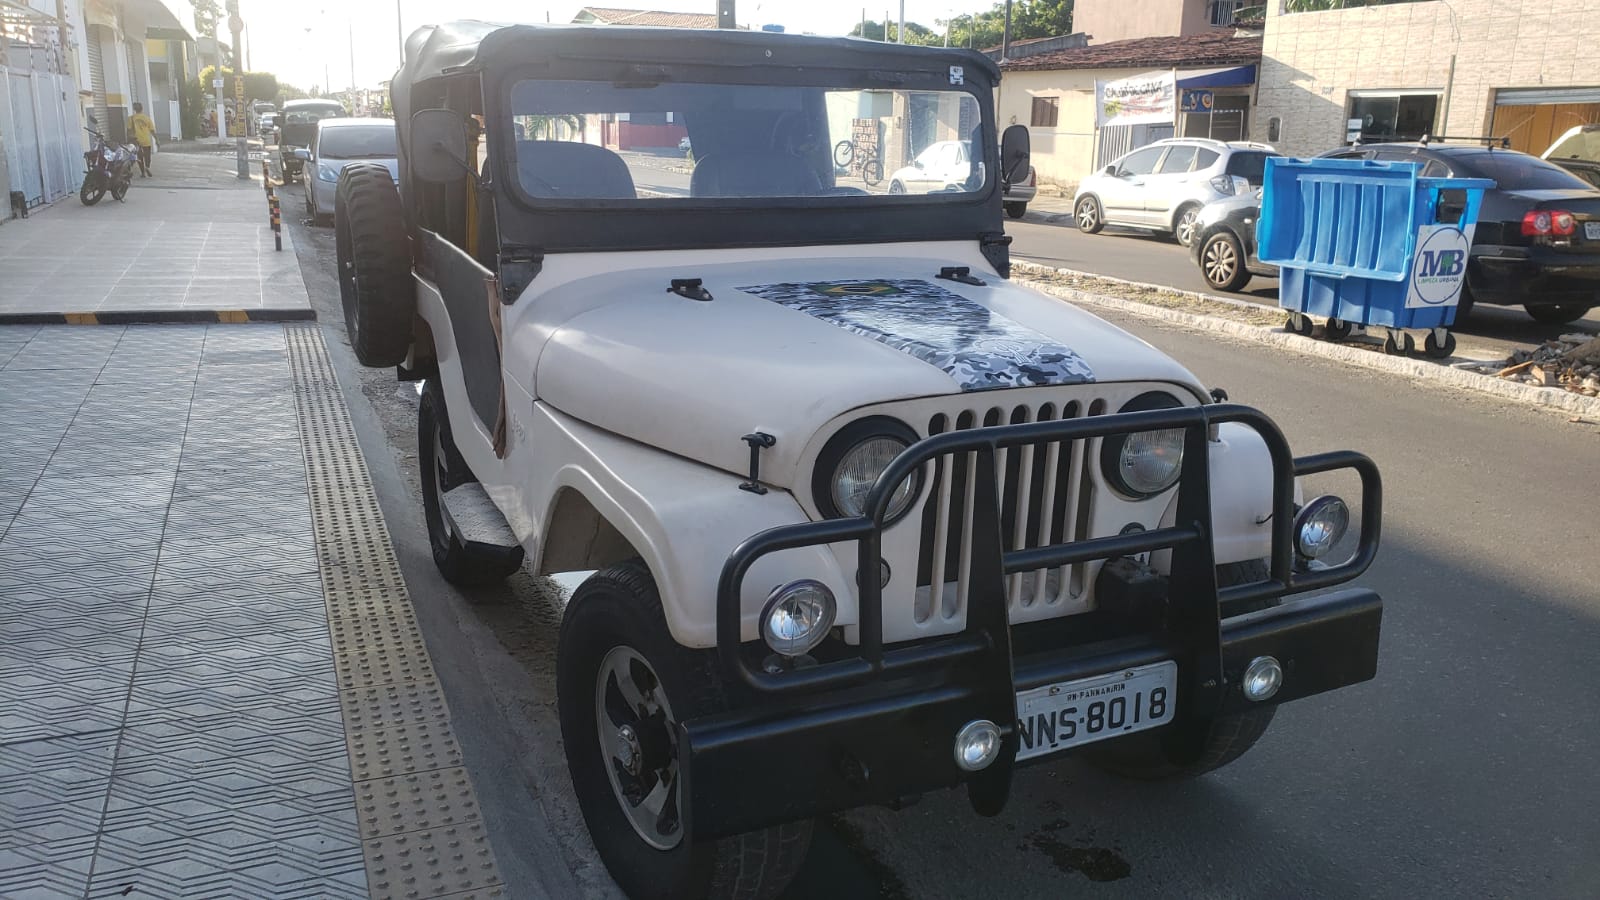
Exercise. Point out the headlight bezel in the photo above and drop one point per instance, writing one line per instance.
(824, 475)
(1111, 447)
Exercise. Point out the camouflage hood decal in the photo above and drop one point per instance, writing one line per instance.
(977, 347)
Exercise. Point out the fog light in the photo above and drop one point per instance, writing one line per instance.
(1320, 525)
(1262, 678)
(797, 616)
(977, 745)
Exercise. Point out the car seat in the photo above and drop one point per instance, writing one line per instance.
(568, 170)
(753, 175)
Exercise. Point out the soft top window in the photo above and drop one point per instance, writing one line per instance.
(582, 141)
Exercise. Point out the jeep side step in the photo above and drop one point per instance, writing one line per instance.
(479, 524)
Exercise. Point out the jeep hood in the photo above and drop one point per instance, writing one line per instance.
(787, 345)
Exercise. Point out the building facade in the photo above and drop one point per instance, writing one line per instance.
(1526, 71)
(1105, 21)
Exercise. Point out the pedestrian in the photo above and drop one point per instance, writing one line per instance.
(144, 134)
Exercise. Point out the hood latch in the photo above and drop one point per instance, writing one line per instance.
(961, 274)
(690, 288)
(758, 441)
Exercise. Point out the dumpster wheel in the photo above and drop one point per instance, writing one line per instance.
(1337, 330)
(1435, 348)
(1399, 343)
(1300, 323)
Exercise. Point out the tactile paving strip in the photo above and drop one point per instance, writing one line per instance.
(420, 825)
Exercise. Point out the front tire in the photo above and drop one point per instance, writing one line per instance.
(374, 267)
(1016, 210)
(621, 676)
(94, 187)
(1222, 262)
(1192, 748)
(1088, 215)
(1557, 314)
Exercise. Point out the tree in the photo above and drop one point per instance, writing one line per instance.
(257, 85)
(915, 34)
(1029, 19)
(207, 13)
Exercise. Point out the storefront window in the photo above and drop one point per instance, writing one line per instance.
(1395, 117)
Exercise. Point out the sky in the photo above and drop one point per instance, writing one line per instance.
(304, 42)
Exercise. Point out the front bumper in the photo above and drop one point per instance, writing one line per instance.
(878, 725)
(1537, 275)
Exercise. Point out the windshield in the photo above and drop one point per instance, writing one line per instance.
(1514, 171)
(584, 140)
(358, 142)
(309, 115)
(1250, 164)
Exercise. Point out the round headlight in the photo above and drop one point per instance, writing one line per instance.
(797, 616)
(1144, 463)
(850, 463)
(1320, 525)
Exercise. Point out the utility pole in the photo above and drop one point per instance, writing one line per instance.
(1005, 37)
(902, 35)
(241, 151)
(725, 14)
(400, 31)
(352, 29)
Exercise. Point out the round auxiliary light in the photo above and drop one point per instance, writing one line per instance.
(977, 745)
(1262, 678)
(797, 616)
(1320, 525)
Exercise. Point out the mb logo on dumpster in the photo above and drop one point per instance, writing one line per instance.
(1440, 268)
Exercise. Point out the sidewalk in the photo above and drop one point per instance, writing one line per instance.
(192, 243)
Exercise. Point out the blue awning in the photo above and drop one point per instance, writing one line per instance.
(1231, 76)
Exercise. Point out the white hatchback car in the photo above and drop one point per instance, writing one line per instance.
(941, 166)
(1162, 186)
(339, 143)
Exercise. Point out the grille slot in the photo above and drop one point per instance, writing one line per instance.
(1046, 492)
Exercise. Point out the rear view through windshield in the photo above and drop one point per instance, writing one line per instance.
(1513, 171)
(1249, 164)
(578, 141)
(358, 142)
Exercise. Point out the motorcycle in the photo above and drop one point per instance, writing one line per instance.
(106, 168)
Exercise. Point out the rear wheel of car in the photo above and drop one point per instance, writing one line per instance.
(622, 685)
(1087, 213)
(1195, 747)
(442, 469)
(1185, 222)
(895, 187)
(1557, 314)
(1016, 210)
(1222, 262)
(374, 267)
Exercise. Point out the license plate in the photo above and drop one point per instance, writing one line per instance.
(1591, 231)
(1073, 713)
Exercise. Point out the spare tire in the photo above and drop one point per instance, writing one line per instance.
(374, 266)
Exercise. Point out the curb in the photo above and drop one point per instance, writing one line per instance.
(1417, 370)
(160, 317)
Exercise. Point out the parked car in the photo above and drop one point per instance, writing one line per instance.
(684, 145)
(1162, 186)
(1537, 242)
(1020, 193)
(269, 125)
(337, 144)
(782, 426)
(297, 127)
(1578, 151)
(941, 166)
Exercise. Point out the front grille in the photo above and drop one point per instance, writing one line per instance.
(1046, 495)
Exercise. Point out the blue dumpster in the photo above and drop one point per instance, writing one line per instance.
(1370, 243)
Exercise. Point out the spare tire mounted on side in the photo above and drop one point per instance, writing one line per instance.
(374, 267)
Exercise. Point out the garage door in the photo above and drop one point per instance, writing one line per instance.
(1534, 118)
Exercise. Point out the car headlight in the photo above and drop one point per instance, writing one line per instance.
(1144, 463)
(797, 616)
(327, 173)
(1320, 525)
(851, 461)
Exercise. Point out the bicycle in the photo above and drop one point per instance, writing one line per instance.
(863, 163)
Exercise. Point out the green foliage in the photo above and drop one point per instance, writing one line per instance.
(207, 13)
(190, 106)
(1029, 19)
(1296, 6)
(915, 34)
(257, 85)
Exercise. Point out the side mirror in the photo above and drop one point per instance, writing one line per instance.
(1015, 151)
(303, 154)
(916, 164)
(438, 146)
(1111, 170)
(92, 120)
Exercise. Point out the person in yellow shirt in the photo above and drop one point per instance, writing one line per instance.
(144, 134)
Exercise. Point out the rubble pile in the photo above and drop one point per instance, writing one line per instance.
(1553, 364)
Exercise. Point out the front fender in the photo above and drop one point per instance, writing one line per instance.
(683, 519)
(1241, 498)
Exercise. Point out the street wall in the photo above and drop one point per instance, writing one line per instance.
(1311, 61)
(1064, 154)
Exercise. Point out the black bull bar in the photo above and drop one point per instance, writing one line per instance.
(879, 726)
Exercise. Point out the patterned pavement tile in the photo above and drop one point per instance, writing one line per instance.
(55, 788)
(52, 870)
(38, 605)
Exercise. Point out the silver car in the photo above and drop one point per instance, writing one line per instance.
(1162, 186)
(340, 142)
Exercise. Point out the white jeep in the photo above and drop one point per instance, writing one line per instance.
(865, 518)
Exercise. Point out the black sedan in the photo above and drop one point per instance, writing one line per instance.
(1537, 243)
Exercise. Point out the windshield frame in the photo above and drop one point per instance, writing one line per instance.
(506, 173)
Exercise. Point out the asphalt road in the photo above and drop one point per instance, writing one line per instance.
(1141, 256)
(1465, 769)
